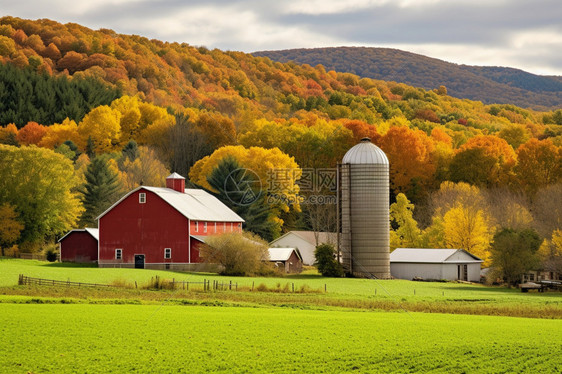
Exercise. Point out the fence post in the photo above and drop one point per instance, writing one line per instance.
(252, 285)
(293, 285)
(236, 286)
(230, 286)
(325, 287)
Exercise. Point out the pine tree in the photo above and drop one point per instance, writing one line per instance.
(239, 191)
(131, 151)
(101, 190)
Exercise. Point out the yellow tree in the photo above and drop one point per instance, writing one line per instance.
(130, 116)
(10, 227)
(540, 164)
(39, 184)
(145, 169)
(406, 233)
(550, 252)
(9, 134)
(59, 133)
(102, 126)
(277, 172)
(468, 228)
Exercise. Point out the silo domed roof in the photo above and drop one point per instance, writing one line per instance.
(365, 153)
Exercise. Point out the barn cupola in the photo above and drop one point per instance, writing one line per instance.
(176, 182)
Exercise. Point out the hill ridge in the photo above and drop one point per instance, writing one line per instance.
(489, 84)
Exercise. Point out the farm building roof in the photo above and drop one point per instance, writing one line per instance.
(310, 236)
(282, 254)
(432, 255)
(195, 204)
(94, 232)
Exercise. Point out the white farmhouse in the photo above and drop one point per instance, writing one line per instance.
(449, 264)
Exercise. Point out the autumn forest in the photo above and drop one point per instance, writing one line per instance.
(89, 115)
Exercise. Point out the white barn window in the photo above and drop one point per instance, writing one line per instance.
(118, 254)
(205, 227)
(196, 226)
(167, 253)
(142, 198)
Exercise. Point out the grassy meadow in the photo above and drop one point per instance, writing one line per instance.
(357, 325)
(355, 293)
(153, 338)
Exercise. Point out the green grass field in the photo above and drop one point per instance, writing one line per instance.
(154, 338)
(357, 325)
(399, 291)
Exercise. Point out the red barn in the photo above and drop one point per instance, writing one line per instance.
(153, 227)
(79, 246)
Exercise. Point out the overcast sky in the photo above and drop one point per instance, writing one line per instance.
(525, 34)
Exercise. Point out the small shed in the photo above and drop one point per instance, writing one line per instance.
(305, 242)
(425, 263)
(80, 245)
(288, 258)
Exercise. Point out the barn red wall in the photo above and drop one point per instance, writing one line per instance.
(79, 246)
(144, 229)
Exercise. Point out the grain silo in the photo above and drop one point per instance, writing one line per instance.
(363, 207)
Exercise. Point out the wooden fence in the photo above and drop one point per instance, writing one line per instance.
(207, 285)
(25, 280)
(157, 283)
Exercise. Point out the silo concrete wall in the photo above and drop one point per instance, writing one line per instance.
(365, 231)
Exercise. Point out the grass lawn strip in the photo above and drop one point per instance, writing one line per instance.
(123, 338)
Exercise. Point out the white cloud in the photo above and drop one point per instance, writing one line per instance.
(515, 33)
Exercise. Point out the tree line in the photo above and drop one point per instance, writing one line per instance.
(26, 96)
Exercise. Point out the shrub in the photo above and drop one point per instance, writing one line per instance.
(326, 261)
(239, 253)
(51, 255)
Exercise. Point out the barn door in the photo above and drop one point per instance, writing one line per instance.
(139, 261)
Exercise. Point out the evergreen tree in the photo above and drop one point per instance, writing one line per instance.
(239, 190)
(514, 252)
(101, 190)
(90, 148)
(326, 262)
(131, 151)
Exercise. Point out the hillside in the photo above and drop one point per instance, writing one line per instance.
(487, 84)
(150, 107)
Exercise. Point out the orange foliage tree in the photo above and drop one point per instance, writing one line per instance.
(484, 160)
(32, 133)
(410, 155)
(539, 164)
(361, 130)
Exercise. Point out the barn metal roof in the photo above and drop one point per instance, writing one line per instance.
(94, 232)
(432, 255)
(365, 153)
(282, 254)
(195, 204)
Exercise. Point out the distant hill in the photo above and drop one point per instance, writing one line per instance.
(491, 85)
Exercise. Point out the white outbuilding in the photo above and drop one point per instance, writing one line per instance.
(305, 242)
(449, 264)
